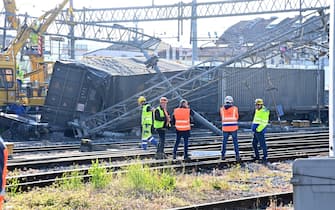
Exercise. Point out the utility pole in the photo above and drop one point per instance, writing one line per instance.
(331, 76)
(72, 41)
(4, 35)
(194, 36)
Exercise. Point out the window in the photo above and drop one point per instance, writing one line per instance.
(6, 78)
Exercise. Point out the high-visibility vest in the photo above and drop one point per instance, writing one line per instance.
(182, 118)
(229, 118)
(158, 123)
(4, 171)
(146, 115)
(261, 118)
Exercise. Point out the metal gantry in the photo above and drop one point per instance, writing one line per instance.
(94, 24)
(201, 76)
(183, 11)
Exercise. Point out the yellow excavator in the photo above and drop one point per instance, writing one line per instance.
(10, 7)
(9, 88)
(13, 119)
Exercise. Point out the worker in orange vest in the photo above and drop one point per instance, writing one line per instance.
(3, 170)
(182, 121)
(229, 118)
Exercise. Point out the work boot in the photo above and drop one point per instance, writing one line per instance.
(254, 159)
(187, 158)
(153, 141)
(160, 156)
(144, 146)
(265, 162)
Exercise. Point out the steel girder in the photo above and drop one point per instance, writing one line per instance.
(186, 83)
(92, 24)
(183, 11)
(112, 34)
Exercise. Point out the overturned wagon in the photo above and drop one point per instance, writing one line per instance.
(77, 90)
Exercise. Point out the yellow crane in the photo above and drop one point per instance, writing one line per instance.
(10, 7)
(8, 86)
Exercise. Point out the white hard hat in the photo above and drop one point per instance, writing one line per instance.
(228, 100)
(182, 102)
(163, 99)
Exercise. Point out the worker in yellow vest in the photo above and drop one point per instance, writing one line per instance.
(146, 123)
(229, 119)
(261, 119)
(19, 77)
(162, 122)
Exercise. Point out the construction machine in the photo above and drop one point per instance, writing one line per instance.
(10, 92)
(13, 117)
(10, 7)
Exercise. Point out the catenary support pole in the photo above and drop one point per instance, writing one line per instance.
(331, 76)
(194, 31)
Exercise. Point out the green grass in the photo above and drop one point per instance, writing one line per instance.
(13, 183)
(140, 177)
(70, 181)
(139, 187)
(99, 175)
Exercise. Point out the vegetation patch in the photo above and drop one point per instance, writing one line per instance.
(142, 188)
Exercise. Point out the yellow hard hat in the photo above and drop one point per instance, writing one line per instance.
(259, 101)
(163, 99)
(141, 99)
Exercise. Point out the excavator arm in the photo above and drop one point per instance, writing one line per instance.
(10, 7)
(39, 26)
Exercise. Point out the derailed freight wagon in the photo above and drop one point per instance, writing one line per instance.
(289, 93)
(77, 90)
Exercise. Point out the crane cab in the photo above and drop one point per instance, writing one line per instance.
(8, 83)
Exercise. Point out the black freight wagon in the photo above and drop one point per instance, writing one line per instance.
(78, 90)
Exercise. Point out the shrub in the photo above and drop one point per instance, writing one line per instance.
(197, 183)
(140, 177)
(168, 181)
(99, 175)
(13, 184)
(72, 180)
(216, 184)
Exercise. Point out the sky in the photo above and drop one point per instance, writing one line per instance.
(168, 32)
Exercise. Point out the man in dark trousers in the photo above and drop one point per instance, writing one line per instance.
(182, 121)
(3, 170)
(229, 118)
(261, 119)
(161, 124)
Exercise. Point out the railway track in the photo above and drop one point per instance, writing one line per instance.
(204, 145)
(255, 202)
(280, 148)
(133, 142)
